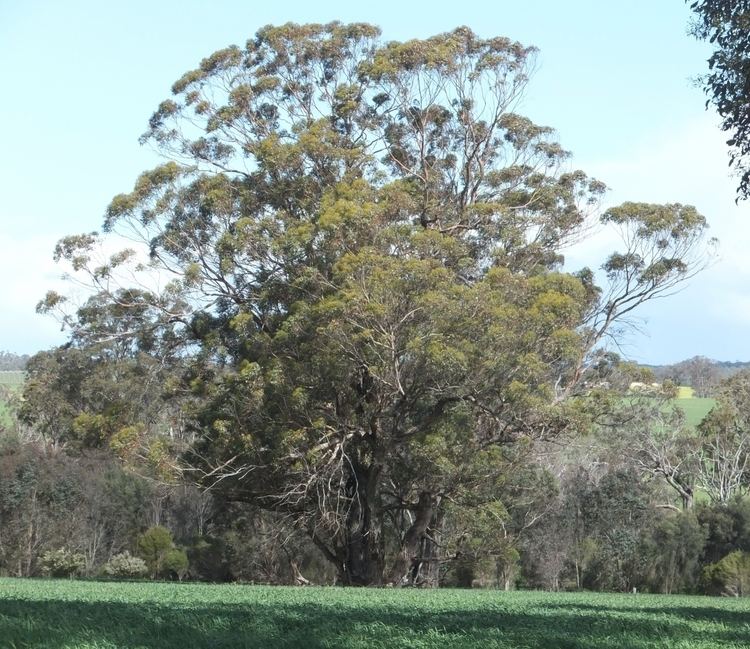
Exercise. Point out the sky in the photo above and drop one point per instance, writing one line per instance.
(616, 80)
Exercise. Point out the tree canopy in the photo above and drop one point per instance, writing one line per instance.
(725, 24)
(353, 296)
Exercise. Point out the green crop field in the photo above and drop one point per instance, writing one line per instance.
(5, 417)
(685, 392)
(695, 409)
(11, 378)
(98, 615)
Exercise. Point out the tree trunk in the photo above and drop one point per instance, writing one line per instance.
(687, 499)
(402, 572)
(684, 490)
(428, 571)
(31, 538)
(363, 561)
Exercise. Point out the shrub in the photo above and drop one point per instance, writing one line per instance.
(176, 563)
(153, 546)
(730, 576)
(209, 560)
(156, 547)
(63, 563)
(125, 566)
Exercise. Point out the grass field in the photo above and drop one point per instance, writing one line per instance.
(5, 418)
(695, 409)
(685, 392)
(11, 378)
(91, 615)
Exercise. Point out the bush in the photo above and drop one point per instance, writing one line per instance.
(125, 566)
(208, 559)
(163, 559)
(153, 546)
(63, 563)
(730, 576)
(673, 546)
(176, 563)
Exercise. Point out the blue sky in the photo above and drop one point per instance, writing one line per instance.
(80, 80)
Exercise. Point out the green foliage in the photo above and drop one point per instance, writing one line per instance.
(725, 24)
(176, 563)
(367, 318)
(62, 563)
(48, 500)
(208, 560)
(727, 528)
(726, 440)
(93, 398)
(78, 615)
(156, 548)
(674, 546)
(125, 566)
(730, 575)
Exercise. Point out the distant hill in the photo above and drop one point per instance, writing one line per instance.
(732, 367)
(726, 368)
(700, 373)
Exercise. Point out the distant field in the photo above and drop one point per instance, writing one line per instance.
(685, 392)
(5, 420)
(695, 409)
(90, 615)
(11, 378)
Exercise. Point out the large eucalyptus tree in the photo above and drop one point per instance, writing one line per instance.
(365, 302)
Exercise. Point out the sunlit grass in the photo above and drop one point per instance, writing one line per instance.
(685, 392)
(695, 409)
(97, 615)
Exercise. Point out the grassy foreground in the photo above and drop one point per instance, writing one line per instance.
(86, 615)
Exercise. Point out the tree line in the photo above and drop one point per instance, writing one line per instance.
(346, 324)
(10, 362)
(641, 501)
(700, 373)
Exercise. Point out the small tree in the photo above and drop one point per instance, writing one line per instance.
(154, 546)
(674, 544)
(176, 563)
(725, 453)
